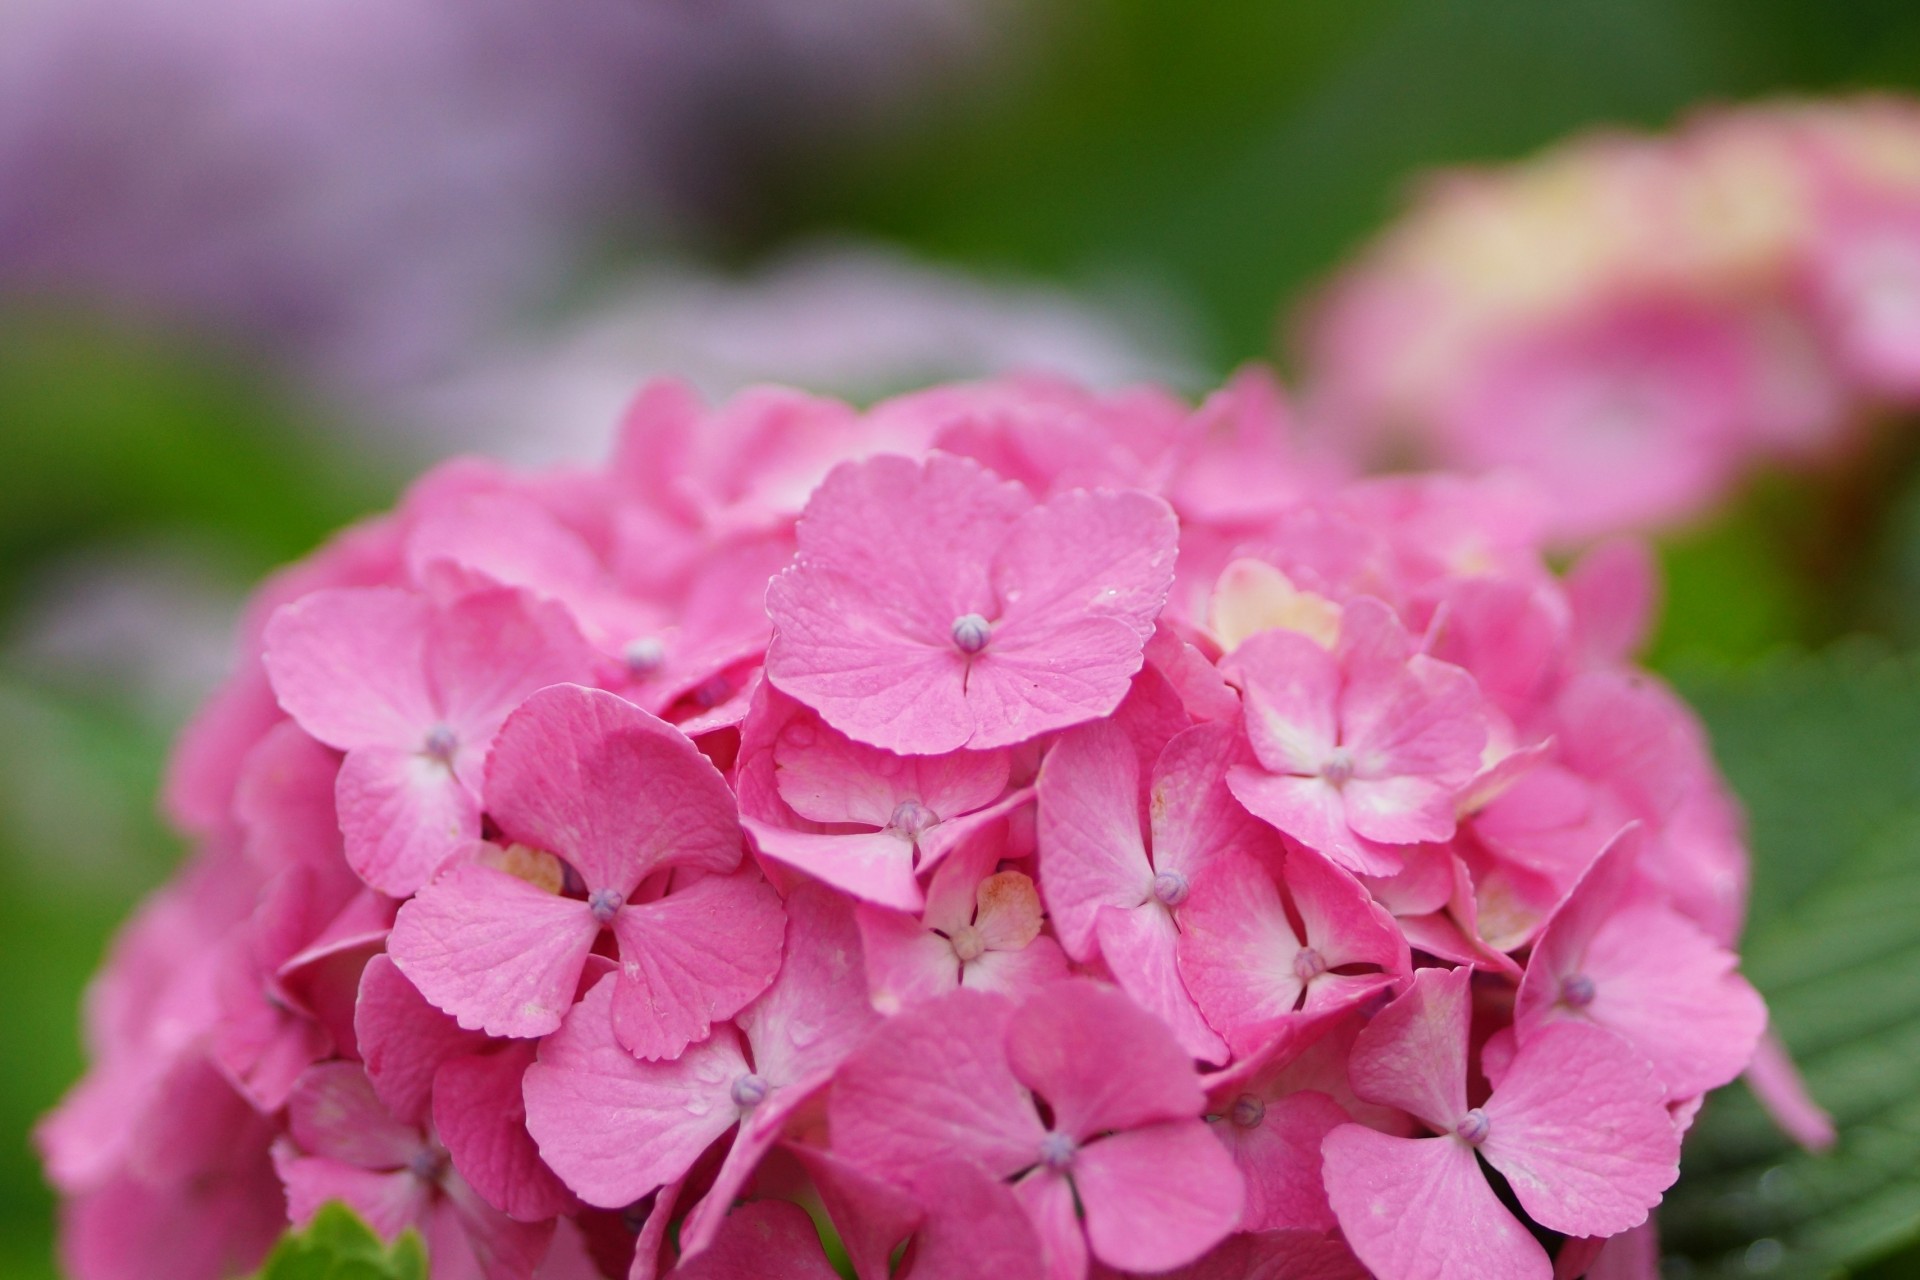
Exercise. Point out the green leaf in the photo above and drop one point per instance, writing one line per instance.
(1826, 753)
(338, 1246)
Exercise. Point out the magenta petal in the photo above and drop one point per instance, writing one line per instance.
(816, 1011)
(1313, 812)
(480, 1117)
(334, 1113)
(1017, 973)
(403, 1039)
(1195, 817)
(1420, 1209)
(388, 1202)
(1413, 1055)
(614, 1129)
(1108, 555)
(1279, 1155)
(874, 866)
(872, 1216)
(347, 664)
(1092, 853)
(1579, 1126)
(501, 1248)
(1292, 689)
(1237, 949)
(693, 958)
(907, 963)
(764, 1239)
(1050, 675)
(1047, 1199)
(1062, 1043)
(1157, 1197)
(1138, 946)
(613, 790)
(499, 954)
(489, 650)
(932, 1085)
(1277, 1255)
(975, 1226)
(827, 777)
(403, 815)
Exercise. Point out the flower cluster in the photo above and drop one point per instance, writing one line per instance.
(1640, 321)
(1039, 833)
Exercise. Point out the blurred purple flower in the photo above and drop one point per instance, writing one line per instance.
(365, 185)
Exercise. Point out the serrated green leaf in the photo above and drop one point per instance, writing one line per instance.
(336, 1245)
(1826, 753)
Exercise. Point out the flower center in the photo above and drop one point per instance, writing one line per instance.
(1057, 1150)
(911, 819)
(749, 1091)
(428, 1164)
(1472, 1128)
(441, 744)
(967, 943)
(1171, 888)
(1577, 992)
(644, 656)
(1339, 767)
(1308, 964)
(605, 904)
(970, 632)
(1247, 1111)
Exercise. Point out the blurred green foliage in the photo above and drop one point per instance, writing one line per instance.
(1228, 154)
(338, 1246)
(1826, 753)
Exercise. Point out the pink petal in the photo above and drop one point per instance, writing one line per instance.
(1009, 916)
(1292, 688)
(499, 954)
(1138, 946)
(1062, 1043)
(891, 553)
(347, 664)
(334, 1113)
(387, 1202)
(614, 1129)
(1776, 1083)
(1052, 674)
(501, 1248)
(1312, 811)
(932, 1085)
(489, 650)
(1047, 1198)
(1109, 555)
(873, 866)
(1420, 1207)
(480, 1116)
(766, 1238)
(1342, 923)
(1017, 973)
(1579, 1127)
(871, 1216)
(1413, 1055)
(1237, 950)
(693, 958)
(1276, 1255)
(974, 1226)
(1195, 817)
(403, 1039)
(284, 799)
(816, 1011)
(907, 963)
(1092, 852)
(1157, 1197)
(827, 777)
(1279, 1156)
(613, 790)
(404, 815)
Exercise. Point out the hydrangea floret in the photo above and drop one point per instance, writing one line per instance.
(1036, 832)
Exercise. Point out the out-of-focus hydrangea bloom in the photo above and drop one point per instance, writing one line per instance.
(1639, 322)
(362, 187)
(1065, 834)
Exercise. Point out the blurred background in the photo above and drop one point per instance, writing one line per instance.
(261, 260)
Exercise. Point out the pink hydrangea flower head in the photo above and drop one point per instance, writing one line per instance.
(1577, 1124)
(504, 954)
(933, 607)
